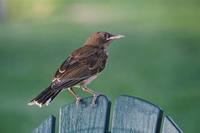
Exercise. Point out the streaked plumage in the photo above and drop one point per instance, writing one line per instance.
(81, 67)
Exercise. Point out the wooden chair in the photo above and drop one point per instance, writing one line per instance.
(130, 115)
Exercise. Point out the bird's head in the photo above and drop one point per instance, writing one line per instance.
(102, 39)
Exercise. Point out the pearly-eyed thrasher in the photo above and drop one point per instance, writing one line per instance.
(80, 68)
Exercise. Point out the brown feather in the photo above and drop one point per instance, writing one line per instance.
(82, 63)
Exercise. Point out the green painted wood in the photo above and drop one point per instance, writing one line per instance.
(48, 126)
(85, 118)
(169, 126)
(133, 115)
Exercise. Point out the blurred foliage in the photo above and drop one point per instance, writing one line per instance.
(158, 60)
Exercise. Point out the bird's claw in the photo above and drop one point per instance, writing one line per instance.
(78, 101)
(94, 99)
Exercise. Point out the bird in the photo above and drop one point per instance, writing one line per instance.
(81, 67)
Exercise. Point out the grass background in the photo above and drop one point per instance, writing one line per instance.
(158, 60)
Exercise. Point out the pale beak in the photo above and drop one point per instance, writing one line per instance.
(114, 37)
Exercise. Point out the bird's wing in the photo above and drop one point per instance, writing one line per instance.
(76, 68)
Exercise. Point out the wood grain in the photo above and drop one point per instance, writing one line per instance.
(169, 126)
(133, 115)
(48, 126)
(85, 118)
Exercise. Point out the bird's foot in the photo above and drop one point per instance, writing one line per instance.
(95, 95)
(78, 99)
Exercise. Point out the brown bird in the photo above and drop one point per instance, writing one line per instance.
(80, 68)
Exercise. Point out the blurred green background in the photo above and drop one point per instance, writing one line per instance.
(158, 60)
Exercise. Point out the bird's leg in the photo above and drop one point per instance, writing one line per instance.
(95, 95)
(75, 95)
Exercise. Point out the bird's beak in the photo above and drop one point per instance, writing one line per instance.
(114, 37)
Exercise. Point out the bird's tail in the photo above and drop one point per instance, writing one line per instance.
(45, 97)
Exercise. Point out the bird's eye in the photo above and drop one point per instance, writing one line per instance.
(104, 35)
